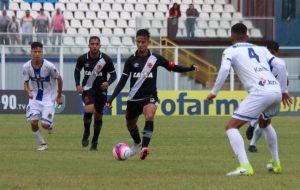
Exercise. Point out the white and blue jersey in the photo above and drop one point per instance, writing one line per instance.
(42, 81)
(253, 66)
(43, 85)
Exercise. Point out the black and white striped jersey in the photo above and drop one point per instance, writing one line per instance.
(143, 75)
(95, 70)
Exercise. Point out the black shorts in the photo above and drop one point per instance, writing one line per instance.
(96, 97)
(135, 108)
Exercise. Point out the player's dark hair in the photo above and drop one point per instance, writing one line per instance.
(143, 32)
(239, 29)
(94, 38)
(272, 45)
(36, 45)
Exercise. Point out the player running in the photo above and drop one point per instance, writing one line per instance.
(43, 85)
(97, 65)
(142, 67)
(251, 63)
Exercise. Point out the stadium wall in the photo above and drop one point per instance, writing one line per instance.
(172, 103)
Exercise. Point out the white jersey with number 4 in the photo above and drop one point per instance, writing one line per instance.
(42, 81)
(251, 64)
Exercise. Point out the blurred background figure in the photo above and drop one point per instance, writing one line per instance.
(174, 14)
(4, 21)
(13, 28)
(191, 14)
(27, 24)
(42, 27)
(4, 3)
(58, 27)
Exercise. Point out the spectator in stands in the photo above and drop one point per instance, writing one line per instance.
(191, 14)
(4, 21)
(4, 3)
(27, 24)
(174, 14)
(14, 28)
(58, 27)
(42, 27)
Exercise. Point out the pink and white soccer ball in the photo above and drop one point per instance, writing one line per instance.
(121, 151)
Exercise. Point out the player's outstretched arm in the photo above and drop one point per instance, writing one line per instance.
(181, 69)
(59, 91)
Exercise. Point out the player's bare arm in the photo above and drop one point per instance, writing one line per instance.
(27, 90)
(59, 91)
(79, 89)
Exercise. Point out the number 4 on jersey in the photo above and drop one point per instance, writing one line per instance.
(252, 54)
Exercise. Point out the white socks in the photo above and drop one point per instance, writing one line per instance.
(257, 134)
(39, 137)
(271, 140)
(237, 144)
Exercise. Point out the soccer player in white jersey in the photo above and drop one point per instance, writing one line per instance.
(250, 63)
(254, 135)
(43, 85)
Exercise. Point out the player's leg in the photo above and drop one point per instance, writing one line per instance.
(250, 129)
(97, 129)
(249, 109)
(100, 100)
(238, 147)
(149, 112)
(133, 110)
(47, 117)
(88, 100)
(270, 133)
(33, 114)
(256, 136)
(38, 135)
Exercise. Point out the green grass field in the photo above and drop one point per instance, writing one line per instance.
(186, 153)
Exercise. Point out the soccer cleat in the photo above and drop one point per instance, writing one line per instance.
(252, 148)
(274, 167)
(94, 147)
(134, 148)
(249, 132)
(50, 129)
(85, 140)
(244, 170)
(144, 153)
(42, 147)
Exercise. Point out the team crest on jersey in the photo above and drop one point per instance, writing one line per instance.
(150, 65)
(46, 67)
(99, 67)
(135, 65)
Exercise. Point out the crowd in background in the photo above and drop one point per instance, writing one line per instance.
(10, 28)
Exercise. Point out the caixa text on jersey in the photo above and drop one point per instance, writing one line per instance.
(93, 73)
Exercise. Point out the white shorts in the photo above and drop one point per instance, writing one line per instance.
(37, 110)
(254, 105)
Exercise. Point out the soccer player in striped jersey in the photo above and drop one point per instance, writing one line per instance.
(142, 67)
(43, 85)
(252, 134)
(265, 93)
(97, 65)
